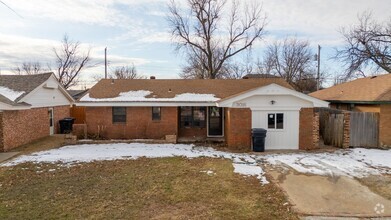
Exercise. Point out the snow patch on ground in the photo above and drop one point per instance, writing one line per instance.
(9, 93)
(97, 152)
(357, 162)
(140, 96)
(250, 170)
(353, 163)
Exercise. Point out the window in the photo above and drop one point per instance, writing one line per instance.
(156, 113)
(193, 117)
(275, 121)
(119, 114)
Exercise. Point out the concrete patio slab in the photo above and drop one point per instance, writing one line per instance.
(331, 196)
(6, 156)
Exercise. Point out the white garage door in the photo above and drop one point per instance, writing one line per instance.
(282, 128)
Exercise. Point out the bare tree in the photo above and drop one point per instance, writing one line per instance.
(201, 35)
(126, 72)
(30, 68)
(367, 46)
(70, 62)
(290, 59)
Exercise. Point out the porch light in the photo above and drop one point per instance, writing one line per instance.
(272, 102)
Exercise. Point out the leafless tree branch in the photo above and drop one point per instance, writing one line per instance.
(206, 41)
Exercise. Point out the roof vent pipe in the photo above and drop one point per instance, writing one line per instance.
(152, 77)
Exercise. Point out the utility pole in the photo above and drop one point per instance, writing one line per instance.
(318, 78)
(106, 63)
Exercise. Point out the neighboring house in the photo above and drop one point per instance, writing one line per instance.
(30, 108)
(370, 94)
(203, 110)
(77, 94)
(257, 76)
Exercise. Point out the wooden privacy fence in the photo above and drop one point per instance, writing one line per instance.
(331, 124)
(79, 113)
(364, 129)
(344, 128)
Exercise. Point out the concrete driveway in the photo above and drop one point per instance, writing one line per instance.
(338, 196)
(6, 156)
(331, 196)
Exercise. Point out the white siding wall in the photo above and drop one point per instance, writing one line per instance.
(45, 97)
(287, 138)
(289, 105)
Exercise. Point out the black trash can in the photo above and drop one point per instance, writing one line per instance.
(258, 139)
(66, 125)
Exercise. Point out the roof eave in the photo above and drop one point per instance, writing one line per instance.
(359, 102)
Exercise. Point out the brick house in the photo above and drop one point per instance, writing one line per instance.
(370, 94)
(224, 110)
(30, 108)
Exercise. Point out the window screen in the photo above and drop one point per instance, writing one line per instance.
(119, 114)
(275, 121)
(271, 121)
(199, 117)
(193, 117)
(156, 113)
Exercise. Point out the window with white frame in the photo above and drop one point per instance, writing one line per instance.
(275, 121)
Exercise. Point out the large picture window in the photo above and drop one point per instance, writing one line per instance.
(119, 114)
(193, 117)
(275, 121)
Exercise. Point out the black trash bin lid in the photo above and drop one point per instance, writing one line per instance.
(69, 119)
(259, 130)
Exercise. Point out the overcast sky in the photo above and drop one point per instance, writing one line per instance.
(135, 31)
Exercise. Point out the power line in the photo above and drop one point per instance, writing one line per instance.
(11, 9)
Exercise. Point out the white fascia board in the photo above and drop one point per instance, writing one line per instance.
(274, 108)
(272, 89)
(143, 104)
(6, 107)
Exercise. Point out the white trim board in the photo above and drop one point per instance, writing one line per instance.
(272, 89)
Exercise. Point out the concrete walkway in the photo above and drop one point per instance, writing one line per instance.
(6, 156)
(326, 196)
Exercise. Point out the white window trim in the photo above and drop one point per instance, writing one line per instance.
(275, 129)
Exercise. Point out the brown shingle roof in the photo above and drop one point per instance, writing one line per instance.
(26, 83)
(168, 88)
(369, 89)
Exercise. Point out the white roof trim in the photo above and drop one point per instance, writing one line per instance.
(272, 89)
(146, 104)
(5, 106)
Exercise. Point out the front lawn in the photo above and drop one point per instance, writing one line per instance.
(159, 188)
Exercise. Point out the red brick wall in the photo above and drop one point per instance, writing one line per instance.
(238, 128)
(60, 112)
(23, 126)
(1, 133)
(308, 129)
(198, 133)
(139, 123)
(385, 125)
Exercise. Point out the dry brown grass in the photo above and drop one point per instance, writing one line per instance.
(165, 188)
(42, 144)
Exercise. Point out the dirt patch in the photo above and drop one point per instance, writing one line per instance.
(42, 144)
(380, 184)
(162, 188)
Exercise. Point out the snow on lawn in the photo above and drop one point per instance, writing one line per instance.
(140, 96)
(9, 93)
(243, 163)
(357, 162)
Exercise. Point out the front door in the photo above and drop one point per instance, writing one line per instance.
(51, 121)
(215, 121)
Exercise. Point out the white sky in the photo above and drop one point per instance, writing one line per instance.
(135, 31)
